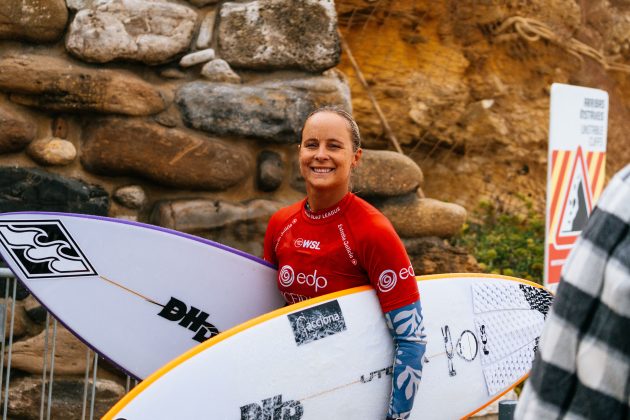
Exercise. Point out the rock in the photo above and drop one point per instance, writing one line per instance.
(79, 4)
(56, 84)
(35, 311)
(241, 226)
(32, 20)
(173, 74)
(28, 355)
(28, 189)
(297, 180)
(278, 34)
(201, 3)
(270, 171)
(433, 255)
(67, 397)
(60, 127)
(169, 118)
(20, 321)
(485, 127)
(273, 111)
(413, 216)
(17, 130)
(52, 151)
(150, 31)
(167, 156)
(198, 57)
(219, 71)
(21, 292)
(206, 29)
(385, 173)
(131, 196)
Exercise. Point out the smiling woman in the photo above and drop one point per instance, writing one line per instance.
(333, 240)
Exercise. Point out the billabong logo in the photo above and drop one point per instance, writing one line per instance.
(43, 249)
(193, 319)
(317, 322)
(273, 409)
(286, 277)
(305, 243)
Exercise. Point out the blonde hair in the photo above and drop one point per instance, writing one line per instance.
(353, 128)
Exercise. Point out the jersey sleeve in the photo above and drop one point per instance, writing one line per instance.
(389, 269)
(270, 234)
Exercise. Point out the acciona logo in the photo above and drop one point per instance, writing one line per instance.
(306, 243)
(287, 277)
(388, 278)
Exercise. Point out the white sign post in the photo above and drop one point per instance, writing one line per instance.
(578, 125)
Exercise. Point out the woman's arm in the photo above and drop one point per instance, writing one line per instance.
(407, 329)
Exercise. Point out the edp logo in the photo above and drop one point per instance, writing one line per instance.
(273, 409)
(193, 319)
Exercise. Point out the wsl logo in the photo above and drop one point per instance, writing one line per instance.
(43, 249)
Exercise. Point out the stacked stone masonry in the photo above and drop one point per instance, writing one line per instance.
(185, 115)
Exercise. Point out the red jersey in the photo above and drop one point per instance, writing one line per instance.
(350, 244)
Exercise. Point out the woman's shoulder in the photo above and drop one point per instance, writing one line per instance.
(287, 212)
(368, 216)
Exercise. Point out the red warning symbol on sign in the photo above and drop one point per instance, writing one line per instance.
(577, 204)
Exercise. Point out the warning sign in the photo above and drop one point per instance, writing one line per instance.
(577, 155)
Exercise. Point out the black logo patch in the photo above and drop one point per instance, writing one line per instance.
(273, 409)
(316, 323)
(43, 248)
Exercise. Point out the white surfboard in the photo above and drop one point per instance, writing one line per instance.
(330, 357)
(139, 295)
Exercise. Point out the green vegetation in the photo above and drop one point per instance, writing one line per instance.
(506, 242)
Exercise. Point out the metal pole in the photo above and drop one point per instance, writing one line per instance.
(93, 386)
(507, 408)
(45, 368)
(6, 385)
(6, 312)
(85, 383)
(52, 369)
(128, 384)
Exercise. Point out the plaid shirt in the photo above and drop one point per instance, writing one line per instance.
(582, 369)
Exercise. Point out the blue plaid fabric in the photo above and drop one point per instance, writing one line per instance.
(582, 370)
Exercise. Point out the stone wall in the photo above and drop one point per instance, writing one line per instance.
(183, 114)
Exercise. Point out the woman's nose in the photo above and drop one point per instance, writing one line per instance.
(321, 153)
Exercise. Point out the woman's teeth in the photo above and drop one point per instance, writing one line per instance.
(322, 170)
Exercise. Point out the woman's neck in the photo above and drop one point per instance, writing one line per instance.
(319, 200)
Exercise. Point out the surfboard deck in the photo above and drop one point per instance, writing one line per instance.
(330, 357)
(139, 295)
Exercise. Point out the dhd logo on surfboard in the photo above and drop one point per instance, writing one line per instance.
(43, 249)
(273, 409)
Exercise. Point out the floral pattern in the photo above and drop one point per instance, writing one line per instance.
(407, 329)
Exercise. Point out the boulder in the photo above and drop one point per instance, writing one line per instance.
(67, 397)
(28, 355)
(171, 157)
(131, 196)
(219, 71)
(201, 3)
(197, 57)
(433, 255)
(241, 226)
(150, 31)
(385, 173)
(21, 322)
(273, 111)
(279, 34)
(28, 189)
(52, 151)
(270, 171)
(206, 30)
(32, 20)
(413, 216)
(17, 130)
(35, 311)
(57, 84)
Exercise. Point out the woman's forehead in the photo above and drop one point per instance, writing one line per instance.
(329, 122)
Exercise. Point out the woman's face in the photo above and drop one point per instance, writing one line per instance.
(326, 156)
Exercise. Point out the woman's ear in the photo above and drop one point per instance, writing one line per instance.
(357, 158)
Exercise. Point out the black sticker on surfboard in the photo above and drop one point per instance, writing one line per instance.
(273, 408)
(43, 248)
(317, 322)
(538, 299)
